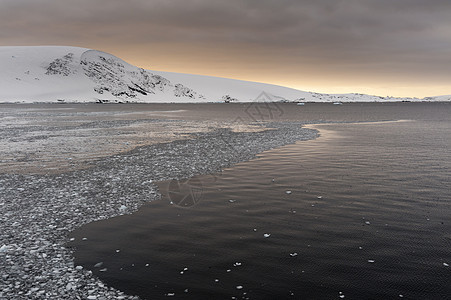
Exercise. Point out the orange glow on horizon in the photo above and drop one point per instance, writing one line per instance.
(306, 78)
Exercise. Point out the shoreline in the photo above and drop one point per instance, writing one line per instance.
(40, 211)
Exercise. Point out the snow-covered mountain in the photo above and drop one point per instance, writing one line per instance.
(72, 74)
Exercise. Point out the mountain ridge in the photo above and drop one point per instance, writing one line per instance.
(73, 74)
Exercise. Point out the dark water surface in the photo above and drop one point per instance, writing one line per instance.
(363, 212)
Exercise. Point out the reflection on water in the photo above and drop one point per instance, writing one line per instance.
(362, 213)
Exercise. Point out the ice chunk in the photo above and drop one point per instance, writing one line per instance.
(267, 235)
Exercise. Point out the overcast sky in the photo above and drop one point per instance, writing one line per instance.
(382, 47)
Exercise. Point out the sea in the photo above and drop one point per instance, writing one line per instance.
(361, 212)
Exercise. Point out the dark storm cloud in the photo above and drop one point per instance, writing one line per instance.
(381, 34)
(288, 22)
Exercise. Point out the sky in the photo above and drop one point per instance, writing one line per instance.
(379, 47)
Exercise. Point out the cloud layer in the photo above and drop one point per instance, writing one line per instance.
(372, 44)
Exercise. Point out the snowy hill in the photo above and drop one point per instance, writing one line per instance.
(33, 74)
(71, 74)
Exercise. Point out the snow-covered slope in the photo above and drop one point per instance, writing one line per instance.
(24, 74)
(444, 98)
(72, 74)
(51, 73)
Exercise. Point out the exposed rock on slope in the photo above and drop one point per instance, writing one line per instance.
(113, 76)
